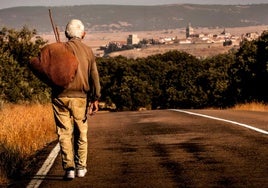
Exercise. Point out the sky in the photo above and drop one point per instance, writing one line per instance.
(16, 3)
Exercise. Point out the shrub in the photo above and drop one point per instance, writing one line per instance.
(17, 82)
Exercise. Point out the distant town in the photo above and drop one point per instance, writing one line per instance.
(191, 37)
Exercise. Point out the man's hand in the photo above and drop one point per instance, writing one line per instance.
(93, 108)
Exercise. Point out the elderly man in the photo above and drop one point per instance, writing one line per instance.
(70, 104)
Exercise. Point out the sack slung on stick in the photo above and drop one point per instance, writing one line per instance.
(57, 63)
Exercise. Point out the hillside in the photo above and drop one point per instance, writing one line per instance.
(198, 50)
(114, 18)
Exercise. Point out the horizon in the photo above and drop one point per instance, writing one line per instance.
(22, 3)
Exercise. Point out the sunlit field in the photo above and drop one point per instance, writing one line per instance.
(25, 129)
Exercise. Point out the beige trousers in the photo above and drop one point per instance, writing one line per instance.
(72, 130)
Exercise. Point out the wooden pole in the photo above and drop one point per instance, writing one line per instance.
(55, 29)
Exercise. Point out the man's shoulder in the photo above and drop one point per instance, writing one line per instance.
(80, 47)
(78, 42)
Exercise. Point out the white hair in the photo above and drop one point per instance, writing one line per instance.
(75, 29)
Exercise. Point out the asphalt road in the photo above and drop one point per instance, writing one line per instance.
(172, 149)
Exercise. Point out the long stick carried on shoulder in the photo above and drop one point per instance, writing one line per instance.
(55, 29)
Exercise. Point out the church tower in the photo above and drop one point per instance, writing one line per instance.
(189, 30)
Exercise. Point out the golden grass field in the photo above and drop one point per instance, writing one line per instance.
(25, 129)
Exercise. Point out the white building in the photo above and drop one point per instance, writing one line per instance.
(133, 39)
(251, 36)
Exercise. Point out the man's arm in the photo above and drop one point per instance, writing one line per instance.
(95, 89)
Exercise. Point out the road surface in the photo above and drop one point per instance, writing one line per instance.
(166, 148)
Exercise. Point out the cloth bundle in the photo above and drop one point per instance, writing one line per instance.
(56, 64)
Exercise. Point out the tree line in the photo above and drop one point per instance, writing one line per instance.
(175, 79)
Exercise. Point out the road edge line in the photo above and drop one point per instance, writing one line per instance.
(41, 174)
(225, 120)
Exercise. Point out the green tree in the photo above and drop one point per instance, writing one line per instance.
(249, 72)
(112, 72)
(262, 68)
(17, 82)
(152, 71)
(139, 93)
(180, 89)
(216, 81)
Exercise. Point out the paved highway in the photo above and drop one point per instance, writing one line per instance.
(165, 148)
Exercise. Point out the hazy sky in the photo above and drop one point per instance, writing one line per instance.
(15, 3)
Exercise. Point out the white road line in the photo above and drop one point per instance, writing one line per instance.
(41, 174)
(225, 120)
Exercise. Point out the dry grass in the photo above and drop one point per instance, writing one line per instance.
(254, 106)
(25, 129)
